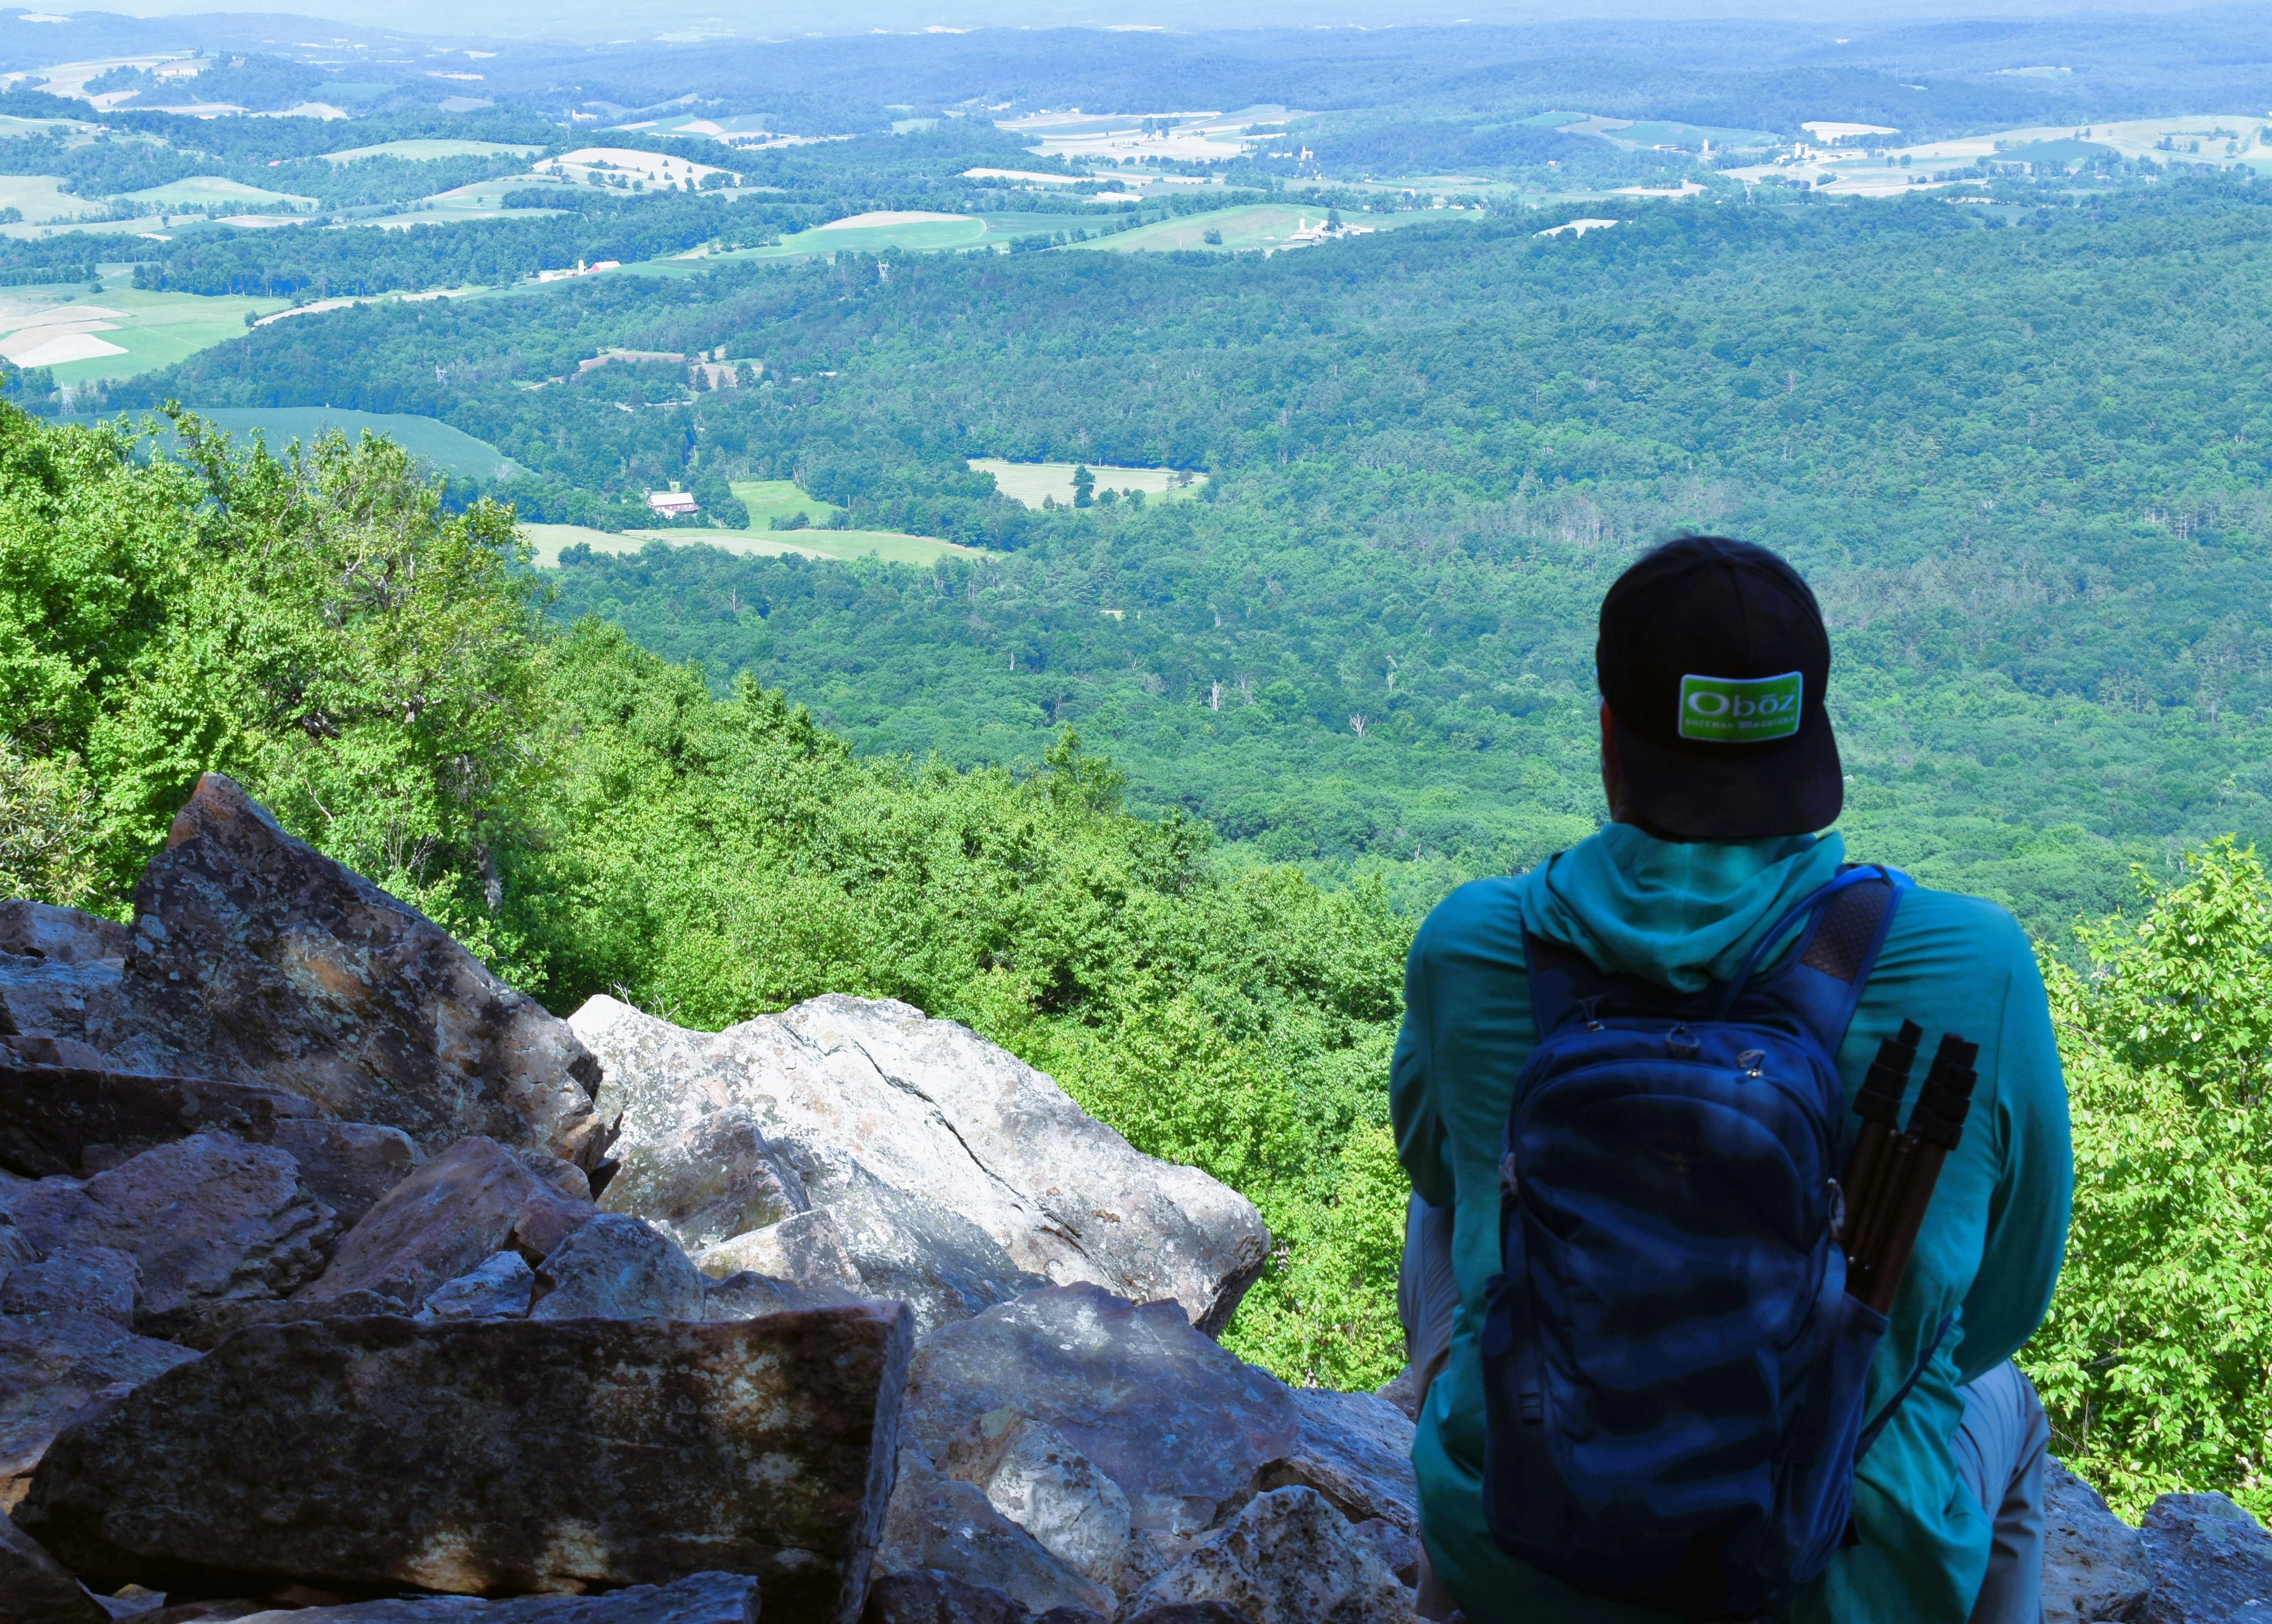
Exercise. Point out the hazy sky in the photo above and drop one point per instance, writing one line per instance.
(611, 18)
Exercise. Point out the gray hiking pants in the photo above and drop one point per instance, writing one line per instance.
(1999, 1446)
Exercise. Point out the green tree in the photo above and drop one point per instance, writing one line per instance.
(2156, 1363)
(1084, 487)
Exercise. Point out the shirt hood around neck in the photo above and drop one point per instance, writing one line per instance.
(1679, 914)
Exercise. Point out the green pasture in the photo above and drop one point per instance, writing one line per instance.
(770, 499)
(1261, 225)
(41, 198)
(423, 149)
(198, 191)
(482, 200)
(841, 545)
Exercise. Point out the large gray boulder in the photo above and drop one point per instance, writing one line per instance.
(207, 1219)
(495, 1457)
(818, 1106)
(52, 1365)
(617, 1268)
(255, 958)
(1179, 1425)
(2096, 1568)
(1031, 1475)
(499, 1288)
(939, 1524)
(1288, 1558)
(1356, 1450)
(468, 1203)
(42, 931)
(705, 1598)
(2212, 1562)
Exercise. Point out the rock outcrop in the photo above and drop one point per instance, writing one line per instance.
(51, 1367)
(445, 1218)
(70, 1121)
(913, 1133)
(35, 1589)
(1288, 1558)
(1178, 1424)
(2095, 1568)
(255, 958)
(495, 1457)
(703, 1598)
(207, 1219)
(616, 1267)
(2212, 1562)
(940, 1524)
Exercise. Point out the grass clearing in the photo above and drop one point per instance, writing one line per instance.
(1028, 483)
(842, 546)
(424, 149)
(41, 198)
(770, 499)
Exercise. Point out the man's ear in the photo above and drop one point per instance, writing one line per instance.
(1613, 775)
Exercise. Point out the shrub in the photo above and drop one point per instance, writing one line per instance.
(2156, 1362)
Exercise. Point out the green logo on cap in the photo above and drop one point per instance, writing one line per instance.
(1740, 710)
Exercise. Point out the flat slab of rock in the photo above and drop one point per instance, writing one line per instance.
(59, 935)
(508, 1456)
(1288, 1558)
(734, 1131)
(500, 1288)
(257, 959)
(451, 1213)
(51, 1365)
(2212, 1562)
(34, 1589)
(71, 1120)
(704, 1599)
(2096, 1569)
(1179, 1423)
(208, 1219)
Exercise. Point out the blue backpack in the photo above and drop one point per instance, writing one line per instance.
(1672, 1369)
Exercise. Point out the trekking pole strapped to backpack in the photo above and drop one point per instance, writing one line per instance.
(1901, 1185)
(1673, 1368)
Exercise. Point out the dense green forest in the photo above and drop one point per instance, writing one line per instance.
(2023, 466)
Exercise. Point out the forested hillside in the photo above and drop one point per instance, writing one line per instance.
(2023, 466)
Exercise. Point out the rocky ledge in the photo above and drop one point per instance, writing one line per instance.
(339, 1279)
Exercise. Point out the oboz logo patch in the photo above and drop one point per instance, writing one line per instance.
(1740, 710)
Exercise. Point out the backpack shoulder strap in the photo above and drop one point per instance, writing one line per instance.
(1842, 929)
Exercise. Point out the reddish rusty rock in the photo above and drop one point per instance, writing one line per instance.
(258, 959)
(454, 1210)
(495, 1457)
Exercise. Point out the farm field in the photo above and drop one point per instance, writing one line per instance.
(87, 337)
(1261, 225)
(452, 451)
(425, 148)
(1030, 482)
(199, 190)
(482, 200)
(42, 198)
(770, 499)
(842, 545)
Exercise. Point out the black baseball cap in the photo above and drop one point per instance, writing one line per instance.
(1713, 658)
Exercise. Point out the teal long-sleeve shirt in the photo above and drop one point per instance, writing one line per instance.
(1684, 915)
